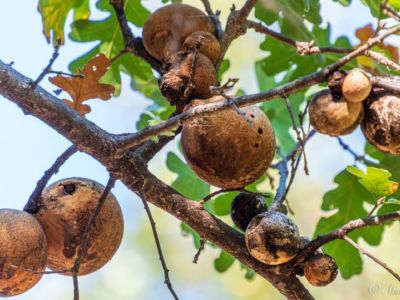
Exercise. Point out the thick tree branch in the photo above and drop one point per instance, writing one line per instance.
(126, 142)
(132, 171)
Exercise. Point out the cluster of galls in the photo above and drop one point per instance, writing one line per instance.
(51, 236)
(273, 239)
(226, 149)
(352, 101)
(182, 38)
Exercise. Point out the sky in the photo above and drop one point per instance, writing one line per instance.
(29, 147)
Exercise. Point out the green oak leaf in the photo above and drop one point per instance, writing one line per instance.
(223, 262)
(395, 4)
(346, 202)
(374, 6)
(54, 14)
(375, 180)
(294, 12)
(187, 183)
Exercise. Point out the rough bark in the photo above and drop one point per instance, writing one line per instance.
(132, 170)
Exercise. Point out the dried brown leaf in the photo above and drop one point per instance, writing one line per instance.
(86, 87)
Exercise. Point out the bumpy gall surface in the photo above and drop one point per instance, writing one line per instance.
(320, 269)
(66, 207)
(166, 29)
(204, 42)
(225, 149)
(381, 123)
(22, 247)
(272, 238)
(334, 116)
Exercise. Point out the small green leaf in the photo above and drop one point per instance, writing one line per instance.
(375, 180)
(187, 183)
(54, 14)
(395, 4)
(222, 204)
(223, 262)
(250, 273)
(346, 202)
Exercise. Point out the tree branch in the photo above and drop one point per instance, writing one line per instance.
(32, 205)
(215, 17)
(309, 48)
(167, 280)
(341, 232)
(84, 238)
(301, 47)
(235, 26)
(126, 142)
(132, 171)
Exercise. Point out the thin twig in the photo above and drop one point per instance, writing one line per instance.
(215, 18)
(378, 203)
(383, 60)
(132, 43)
(235, 27)
(215, 193)
(167, 280)
(303, 48)
(33, 202)
(300, 139)
(309, 48)
(340, 232)
(277, 203)
(390, 12)
(201, 248)
(48, 67)
(84, 238)
(66, 74)
(357, 157)
(293, 173)
(371, 256)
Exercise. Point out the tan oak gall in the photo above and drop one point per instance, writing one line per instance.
(334, 115)
(65, 209)
(381, 123)
(188, 75)
(356, 86)
(23, 251)
(227, 150)
(166, 29)
(204, 42)
(272, 238)
(320, 269)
